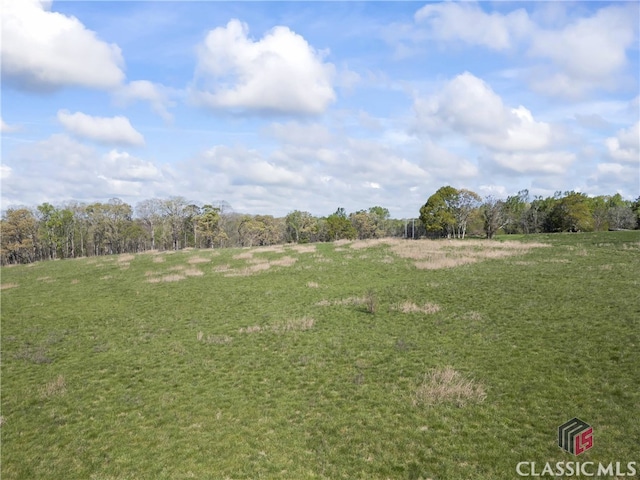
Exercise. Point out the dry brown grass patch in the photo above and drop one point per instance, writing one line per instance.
(158, 259)
(222, 268)
(195, 260)
(106, 277)
(54, 388)
(75, 281)
(193, 272)
(215, 339)
(312, 284)
(285, 261)
(303, 248)
(297, 324)
(446, 385)
(437, 254)
(323, 303)
(410, 307)
(126, 258)
(269, 248)
(172, 278)
(374, 242)
(6, 286)
(243, 256)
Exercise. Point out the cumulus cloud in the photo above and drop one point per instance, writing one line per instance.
(280, 73)
(158, 96)
(468, 107)
(586, 54)
(60, 168)
(467, 22)
(105, 130)
(625, 146)
(45, 50)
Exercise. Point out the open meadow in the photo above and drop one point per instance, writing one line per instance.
(380, 359)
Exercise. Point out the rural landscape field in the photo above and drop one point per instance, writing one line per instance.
(400, 359)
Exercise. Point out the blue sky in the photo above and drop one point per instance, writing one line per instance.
(276, 106)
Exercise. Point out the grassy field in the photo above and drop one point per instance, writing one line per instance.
(401, 360)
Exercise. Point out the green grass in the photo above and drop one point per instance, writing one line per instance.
(108, 376)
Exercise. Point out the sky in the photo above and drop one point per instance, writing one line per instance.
(281, 106)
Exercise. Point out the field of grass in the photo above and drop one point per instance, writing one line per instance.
(373, 360)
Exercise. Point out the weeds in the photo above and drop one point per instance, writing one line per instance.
(446, 385)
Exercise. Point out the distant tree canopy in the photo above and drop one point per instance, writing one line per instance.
(75, 229)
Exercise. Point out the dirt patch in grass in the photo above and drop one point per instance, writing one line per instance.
(6, 286)
(54, 388)
(446, 385)
(410, 307)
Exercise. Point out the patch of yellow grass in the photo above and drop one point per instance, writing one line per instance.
(43, 279)
(409, 307)
(107, 277)
(297, 324)
(177, 268)
(126, 258)
(312, 284)
(75, 281)
(222, 268)
(195, 260)
(323, 303)
(342, 241)
(269, 248)
(373, 242)
(173, 278)
(285, 261)
(243, 256)
(158, 259)
(446, 385)
(6, 286)
(54, 388)
(437, 254)
(303, 248)
(193, 272)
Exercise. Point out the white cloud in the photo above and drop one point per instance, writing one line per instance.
(587, 54)
(48, 50)
(105, 130)
(280, 73)
(158, 96)
(466, 21)
(125, 167)
(60, 168)
(468, 106)
(536, 163)
(6, 128)
(5, 172)
(625, 146)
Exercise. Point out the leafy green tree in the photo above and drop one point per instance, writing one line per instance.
(364, 224)
(18, 236)
(438, 214)
(572, 213)
(208, 225)
(339, 226)
(300, 226)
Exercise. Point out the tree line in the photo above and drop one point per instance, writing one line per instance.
(76, 229)
(451, 212)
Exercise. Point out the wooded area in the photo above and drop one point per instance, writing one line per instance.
(76, 229)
